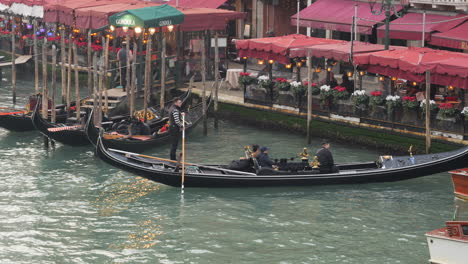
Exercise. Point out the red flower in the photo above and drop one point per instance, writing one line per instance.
(376, 93)
(339, 88)
(451, 98)
(409, 98)
(244, 74)
(445, 106)
(306, 83)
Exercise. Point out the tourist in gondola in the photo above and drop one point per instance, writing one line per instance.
(263, 158)
(138, 127)
(325, 157)
(175, 125)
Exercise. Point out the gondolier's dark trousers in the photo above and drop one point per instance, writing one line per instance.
(176, 135)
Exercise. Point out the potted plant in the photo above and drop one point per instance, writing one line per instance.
(326, 94)
(340, 93)
(446, 110)
(392, 102)
(433, 107)
(410, 103)
(315, 87)
(360, 100)
(299, 90)
(282, 84)
(246, 79)
(465, 113)
(265, 82)
(376, 99)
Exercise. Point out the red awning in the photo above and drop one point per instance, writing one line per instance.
(410, 26)
(339, 51)
(277, 48)
(456, 38)
(197, 19)
(194, 3)
(446, 26)
(63, 10)
(447, 68)
(98, 16)
(338, 15)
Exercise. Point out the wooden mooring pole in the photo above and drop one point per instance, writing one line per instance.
(95, 91)
(148, 75)
(36, 59)
(203, 74)
(163, 72)
(69, 73)
(54, 82)
(77, 84)
(45, 95)
(13, 58)
(216, 66)
(90, 63)
(309, 95)
(428, 111)
(63, 69)
(133, 86)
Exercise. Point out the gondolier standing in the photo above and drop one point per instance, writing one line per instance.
(175, 125)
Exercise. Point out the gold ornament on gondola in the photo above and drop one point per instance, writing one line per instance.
(410, 150)
(315, 163)
(141, 115)
(304, 155)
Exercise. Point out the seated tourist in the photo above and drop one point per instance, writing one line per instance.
(325, 158)
(263, 159)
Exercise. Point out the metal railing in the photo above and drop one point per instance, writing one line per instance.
(459, 4)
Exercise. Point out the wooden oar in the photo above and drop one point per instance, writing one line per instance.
(183, 152)
(186, 163)
(12, 113)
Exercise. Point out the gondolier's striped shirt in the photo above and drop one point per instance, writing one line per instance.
(176, 117)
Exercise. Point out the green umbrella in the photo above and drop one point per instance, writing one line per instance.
(153, 16)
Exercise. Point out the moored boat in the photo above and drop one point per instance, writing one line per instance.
(289, 174)
(20, 119)
(460, 183)
(159, 135)
(449, 244)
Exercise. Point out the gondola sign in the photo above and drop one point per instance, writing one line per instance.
(153, 16)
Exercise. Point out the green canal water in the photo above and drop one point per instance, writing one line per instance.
(67, 206)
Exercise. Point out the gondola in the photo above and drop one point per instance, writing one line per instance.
(74, 134)
(20, 119)
(386, 169)
(142, 143)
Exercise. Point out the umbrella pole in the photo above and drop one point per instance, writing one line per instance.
(309, 95)
(183, 152)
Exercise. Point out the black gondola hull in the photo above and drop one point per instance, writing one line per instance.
(139, 145)
(459, 159)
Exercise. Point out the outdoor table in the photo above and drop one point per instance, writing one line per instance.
(232, 77)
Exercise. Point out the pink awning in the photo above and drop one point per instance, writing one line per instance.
(63, 10)
(446, 26)
(338, 15)
(277, 48)
(406, 27)
(194, 3)
(447, 68)
(339, 51)
(98, 16)
(197, 19)
(456, 38)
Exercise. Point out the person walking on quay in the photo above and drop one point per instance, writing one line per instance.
(175, 126)
(325, 157)
(122, 57)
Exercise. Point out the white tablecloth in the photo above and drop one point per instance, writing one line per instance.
(232, 77)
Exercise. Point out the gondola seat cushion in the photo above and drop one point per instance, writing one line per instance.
(241, 165)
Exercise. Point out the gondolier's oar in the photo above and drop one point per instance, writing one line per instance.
(183, 152)
(12, 113)
(187, 163)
